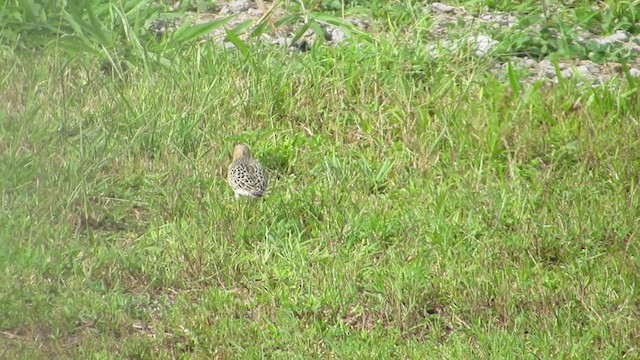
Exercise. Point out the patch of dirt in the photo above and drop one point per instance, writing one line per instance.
(419, 323)
(107, 214)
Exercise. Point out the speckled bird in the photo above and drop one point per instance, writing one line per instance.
(246, 176)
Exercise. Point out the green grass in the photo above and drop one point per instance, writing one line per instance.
(418, 208)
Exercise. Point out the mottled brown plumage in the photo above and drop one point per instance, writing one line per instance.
(246, 176)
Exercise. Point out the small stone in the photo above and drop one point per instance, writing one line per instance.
(236, 7)
(618, 37)
(482, 44)
(547, 69)
(529, 62)
(566, 73)
(632, 46)
(335, 35)
(255, 12)
(552, 33)
(360, 24)
(500, 20)
(438, 31)
(266, 37)
(431, 49)
(442, 8)
(583, 70)
(634, 72)
(582, 35)
(281, 41)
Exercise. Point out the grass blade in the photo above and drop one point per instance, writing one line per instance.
(188, 32)
(235, 40)
(513, 79)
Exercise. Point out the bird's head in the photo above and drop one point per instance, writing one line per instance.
(241, 151)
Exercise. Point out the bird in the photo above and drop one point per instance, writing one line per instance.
(246, 175)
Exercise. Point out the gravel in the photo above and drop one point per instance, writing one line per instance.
(236, 7)
(443, 8)
(449, 32)
(481, 44)
(618, 37)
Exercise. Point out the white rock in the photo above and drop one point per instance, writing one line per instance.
(633, 46)
(499, 20)
(481, 44)
(547, 69)
(236, 7)
(528, 62)
(281, 41)
(583, 70)
(582, 35)
(359, 23)
(634, 72)
(566, 73)
(432, 49)
(336, 35)
(618, 37)
(255, 12)
(442, 8)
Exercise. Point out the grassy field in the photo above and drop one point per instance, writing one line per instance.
(418, 206)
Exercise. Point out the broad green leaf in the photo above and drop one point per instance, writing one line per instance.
(34, 12)
(188, 32)
(235, 40)
(97, 29)
(75, 21)
(75, 44)
(513, 79)
(242, 27)
(317, 30)
(329, 19)
(260, 29)
(301, 31)
(384, 171)
(288, 20)
(160, 60)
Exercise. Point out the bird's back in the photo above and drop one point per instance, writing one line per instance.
(247, 177)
